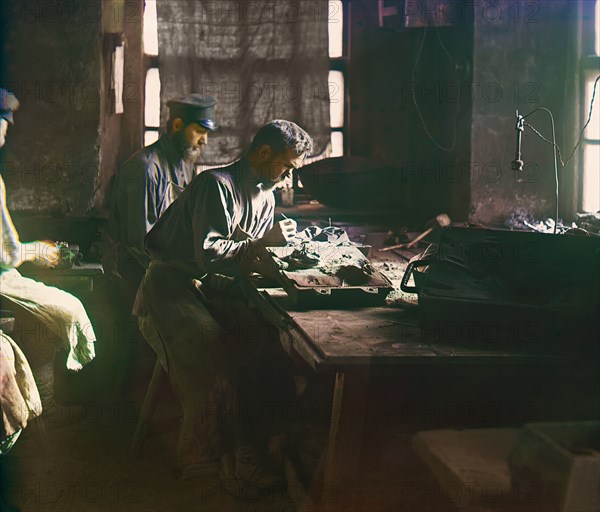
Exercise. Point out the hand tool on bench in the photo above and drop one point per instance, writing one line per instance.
(440, 221)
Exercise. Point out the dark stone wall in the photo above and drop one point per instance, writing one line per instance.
(504, 55)
(524, 57)
(384, 121)
(51, 58)
(61, 155)
(120, 134)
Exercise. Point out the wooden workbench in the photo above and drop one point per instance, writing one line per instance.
(351, 343)
(329, 339)
(76, 279)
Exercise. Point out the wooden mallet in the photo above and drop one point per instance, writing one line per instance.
(440, 221)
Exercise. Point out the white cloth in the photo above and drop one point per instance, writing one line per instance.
(19, 397)
(62, 314)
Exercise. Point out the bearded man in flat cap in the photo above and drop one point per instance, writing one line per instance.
(151, 179)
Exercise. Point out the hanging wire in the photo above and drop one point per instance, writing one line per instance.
(555, 151)
(414, 97)
(563, 163)
(437, 32)
(555, 147)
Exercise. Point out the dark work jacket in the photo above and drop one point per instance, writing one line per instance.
(210, 227)
(145, 186)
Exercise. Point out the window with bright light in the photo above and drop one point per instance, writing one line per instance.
(590, 189)
(590, 201)
(336, 82)
(150, 36)
(336, 29)
(337, 74)
(152, 106)
(152, 89)
(597, 28)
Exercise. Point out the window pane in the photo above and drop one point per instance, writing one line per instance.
(591, 178)
(336, 99)
(152, 107)
(150, 28)
(597, 27)
(326, 153)
(593, 129)
(337, 144)
(336, 28)
(150, 137)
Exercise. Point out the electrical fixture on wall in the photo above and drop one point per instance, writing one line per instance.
(433, 13)
(517, 163)
(401, 14)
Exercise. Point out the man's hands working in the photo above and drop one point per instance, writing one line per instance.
(43, 254)
(280, 234)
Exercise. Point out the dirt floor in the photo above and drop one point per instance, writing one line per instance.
(84, 466)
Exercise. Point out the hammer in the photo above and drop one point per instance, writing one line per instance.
(442, 220)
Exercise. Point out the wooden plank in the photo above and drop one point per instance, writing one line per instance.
(87, 269)
(383, 335)
(346, 431)
(470, 465)
(293, 340)
(77, 279)
(331, 467)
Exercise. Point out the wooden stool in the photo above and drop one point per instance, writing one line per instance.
(148, 408)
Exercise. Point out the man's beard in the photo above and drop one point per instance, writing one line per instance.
(268, 184)
(192, 155)
(189, 154)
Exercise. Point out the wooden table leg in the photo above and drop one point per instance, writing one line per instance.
(345, 432)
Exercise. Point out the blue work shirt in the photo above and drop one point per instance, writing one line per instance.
(145, 186)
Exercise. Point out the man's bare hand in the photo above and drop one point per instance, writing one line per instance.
(280, 234)
(44, 254)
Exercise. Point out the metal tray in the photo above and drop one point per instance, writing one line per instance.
(313, 288)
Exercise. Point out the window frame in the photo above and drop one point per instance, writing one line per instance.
(150, 62)
(335, 64)
(341, 64)
(589, 63)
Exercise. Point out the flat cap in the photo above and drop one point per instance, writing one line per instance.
(195, 108)
(8, 104)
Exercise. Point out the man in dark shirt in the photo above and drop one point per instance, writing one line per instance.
(153, 178)
(210, 343)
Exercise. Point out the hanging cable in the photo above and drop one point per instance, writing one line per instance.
(555, 147)
(414, 97)
(555, 152)
(563, 163)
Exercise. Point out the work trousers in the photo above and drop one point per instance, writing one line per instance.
(224, 362)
